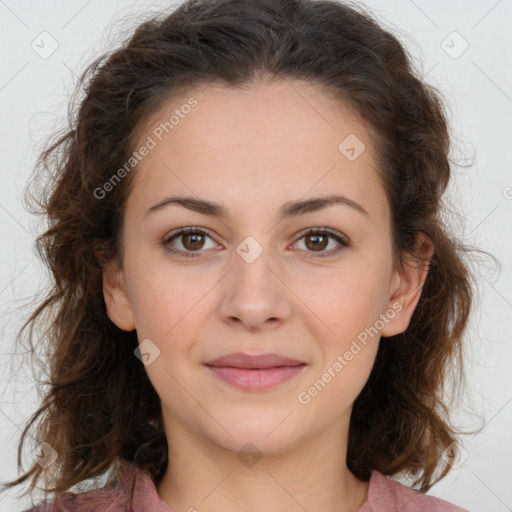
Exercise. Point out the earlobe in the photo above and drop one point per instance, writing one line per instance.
(117, 300)
(407, 286)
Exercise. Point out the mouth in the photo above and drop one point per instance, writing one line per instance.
(258, 372)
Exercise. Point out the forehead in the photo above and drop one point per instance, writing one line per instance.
(284, 139)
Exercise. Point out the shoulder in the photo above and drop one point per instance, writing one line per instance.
(386, 494)
(134, 490)
(105, 498)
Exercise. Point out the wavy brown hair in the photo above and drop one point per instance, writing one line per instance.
(101, 408)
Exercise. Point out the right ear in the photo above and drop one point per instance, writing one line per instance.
(115, 293)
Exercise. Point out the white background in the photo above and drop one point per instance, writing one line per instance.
(478, 88)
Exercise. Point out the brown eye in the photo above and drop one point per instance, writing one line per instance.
(317, 242)
(188, 242)
(192, 241)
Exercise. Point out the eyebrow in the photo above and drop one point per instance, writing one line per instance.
(288, 209)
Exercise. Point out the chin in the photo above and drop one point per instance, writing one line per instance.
(263, 435)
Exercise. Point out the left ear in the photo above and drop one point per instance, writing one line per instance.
(407, 285)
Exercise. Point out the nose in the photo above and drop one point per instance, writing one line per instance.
(255, 294)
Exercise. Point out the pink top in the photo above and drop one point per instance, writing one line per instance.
(384, 495)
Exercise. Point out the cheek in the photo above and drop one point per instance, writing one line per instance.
(350, 299)
(165, 296)
(348, 347)
(171, 307)
(169, 315)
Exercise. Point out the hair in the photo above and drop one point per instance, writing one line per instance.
(100, 408)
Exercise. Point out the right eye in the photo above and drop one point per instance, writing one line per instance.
(191, 239)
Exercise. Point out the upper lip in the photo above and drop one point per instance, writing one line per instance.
(241, 360)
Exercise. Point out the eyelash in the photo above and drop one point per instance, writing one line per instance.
(344, 243)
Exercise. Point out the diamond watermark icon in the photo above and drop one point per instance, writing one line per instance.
(351, 147)
(454, 455)
(454, 45)
(249, 249)
(147, 352)
(44, 45)
(45, 455)
(249, 454)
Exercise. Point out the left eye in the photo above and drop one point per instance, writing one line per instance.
(319, 239)
(192, 241)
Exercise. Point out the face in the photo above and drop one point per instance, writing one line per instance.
(268, 271)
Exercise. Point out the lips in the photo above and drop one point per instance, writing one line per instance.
(249, 362)
(255, 373)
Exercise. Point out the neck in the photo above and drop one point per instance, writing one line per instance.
(310, 476)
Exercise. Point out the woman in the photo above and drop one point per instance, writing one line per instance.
(256, 302)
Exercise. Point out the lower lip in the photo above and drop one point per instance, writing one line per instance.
(256, 379)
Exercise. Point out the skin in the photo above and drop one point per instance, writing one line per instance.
(252, 151)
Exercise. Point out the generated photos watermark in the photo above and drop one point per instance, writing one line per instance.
(304, 397)
(149, 144)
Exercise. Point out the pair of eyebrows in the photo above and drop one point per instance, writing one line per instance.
(287, 210)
